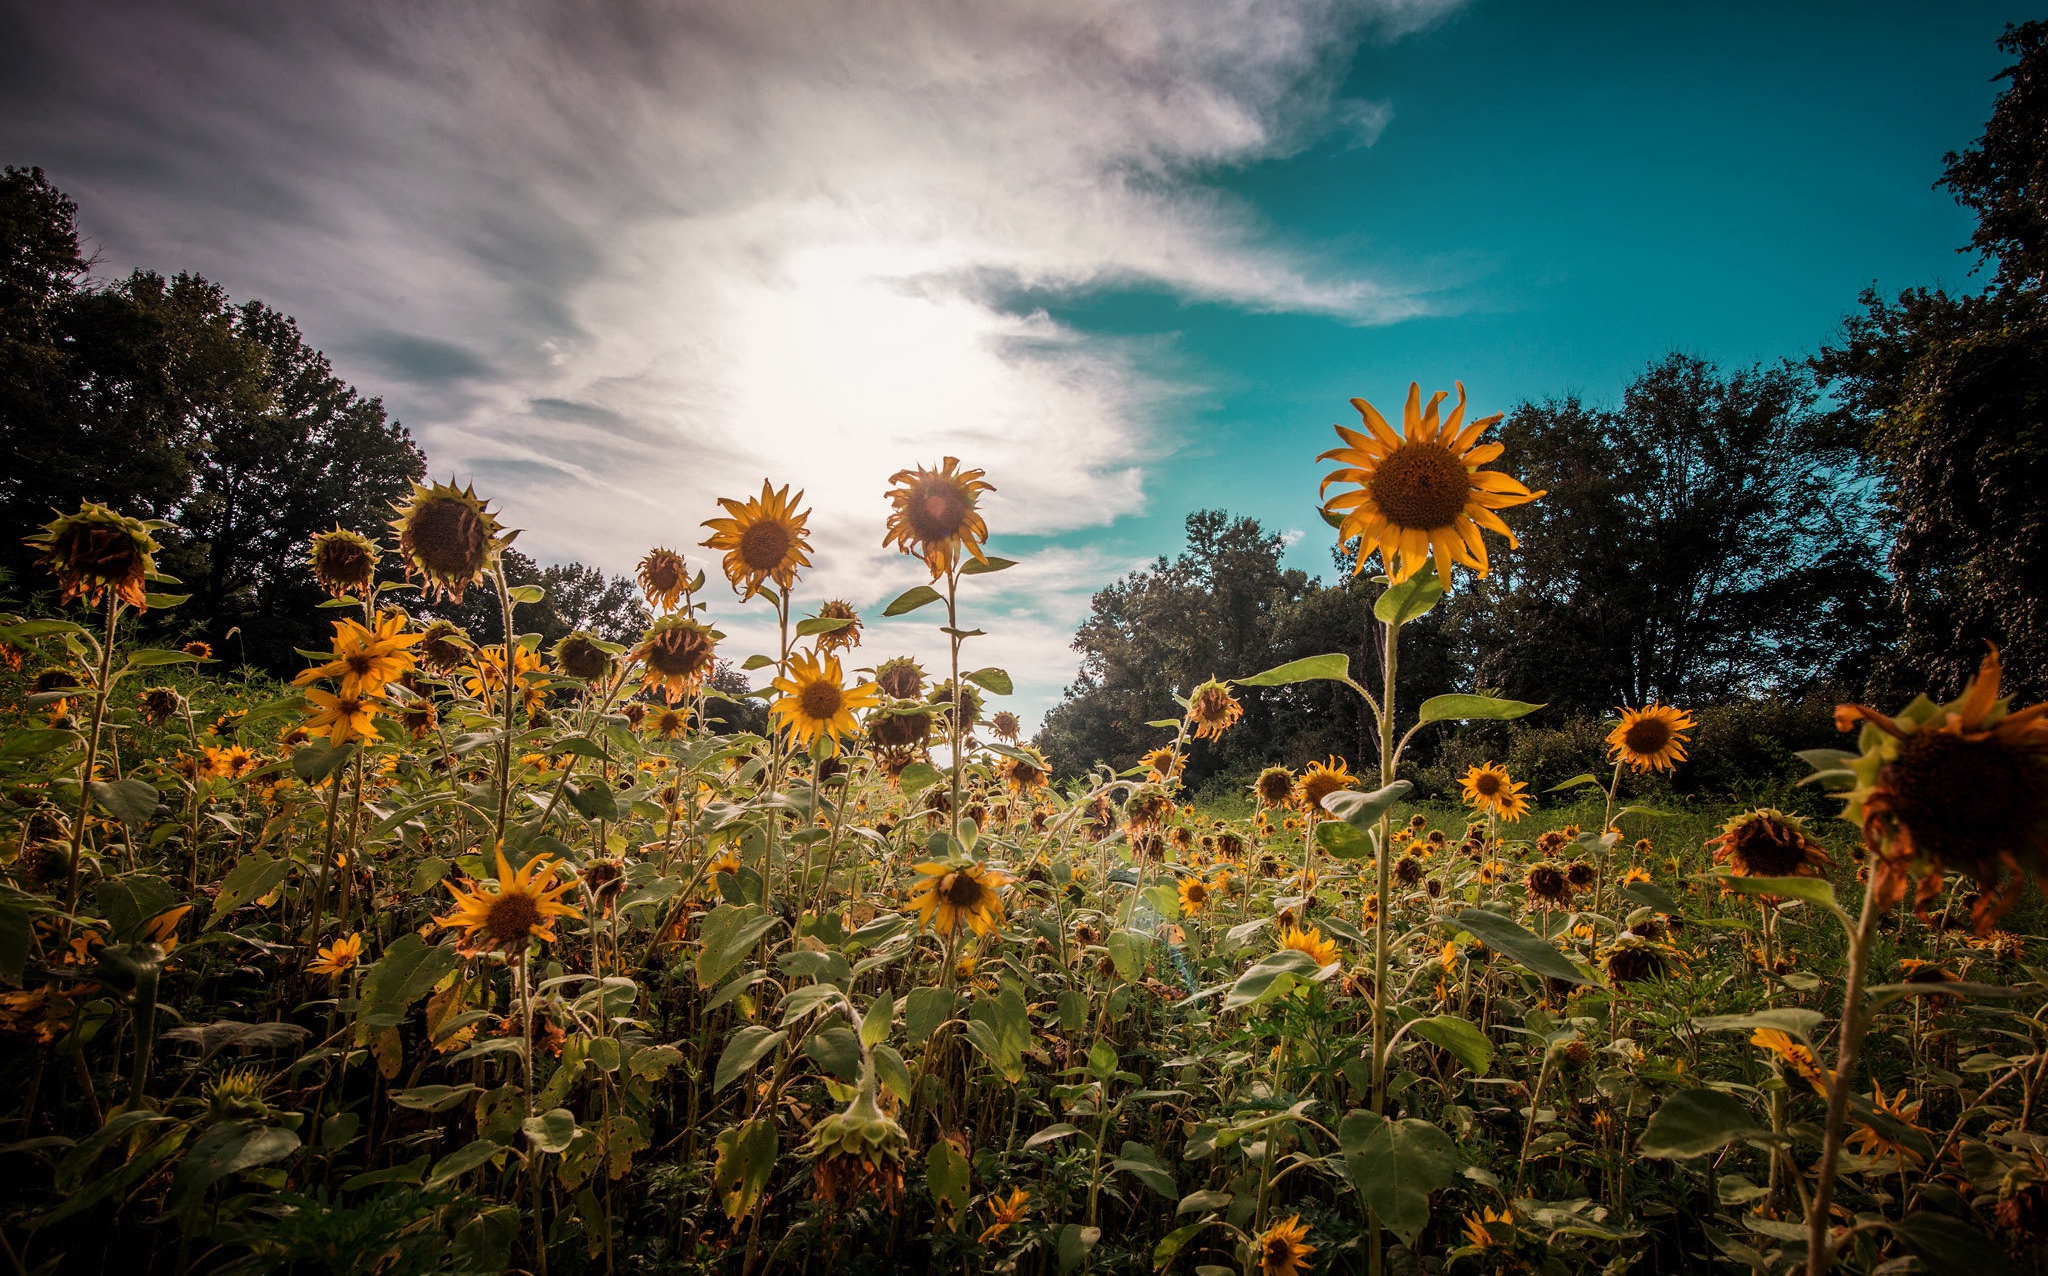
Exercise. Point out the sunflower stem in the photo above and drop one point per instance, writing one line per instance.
(511, 700)
(1854, 1023)
(101, 692)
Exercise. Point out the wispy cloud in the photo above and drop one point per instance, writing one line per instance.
(613, 260)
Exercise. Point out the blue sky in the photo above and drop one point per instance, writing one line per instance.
(612, 262)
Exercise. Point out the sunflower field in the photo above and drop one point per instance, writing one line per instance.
(460, 954)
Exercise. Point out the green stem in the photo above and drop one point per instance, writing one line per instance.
(1854, 1023)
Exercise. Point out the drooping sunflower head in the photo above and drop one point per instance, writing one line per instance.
(1960, 786)
(937, 516)
(679, 653)
(664, 578)
(1213, 709)
(971, 704)
(1768, 843)
(582, 654)
(949, 896)
(444, 647)
(814, 706)
(1581, 875)
(900, 732)
(1548, 885)
(236, 1094)
(844, 638)
(764, 539)
(521, 906)
(1147, 808)
(858, 1151)
(1633, 959)
(343, 562)
(161, 704)
(95, 552)
(448, 536)
(1274, 787)
(1025, 770)
(1006, 726)
(900, 677)
(1421, 496)
(1652, 738)
(1320, 780)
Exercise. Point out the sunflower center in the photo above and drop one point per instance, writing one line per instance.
(1646, 737)
(821, 701)
(678, 653)
(1421, 485)
(1486, 784)
(764, 545)
(1965, 800)
(936, 511)
(361, 662)
(961, 890)
(511, 917)
(1197, 893)
(447, 538)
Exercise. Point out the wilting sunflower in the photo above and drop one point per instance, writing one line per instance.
(1548, 885)
(764, 539)
(522, 907)
(1310, 941)
(903, 733)
(971, 704)
(858, 1151)
(1768, 843)
(1274, 787)
(1651, 738)
(844, 638)
(1421, 493)
(1488, 788)
(1006, 726)
(582, 654)
(1795, 1055)
(900, 677)
(338, 958)
(1194, 895)
(1959, 786)
(813, 706)
(679, 654)
(160, 704)
(936, 516)
(444, 647)
(949, 896)
(447, 536)
(1633, 959)
(364, 659)
(1320, 780)
(96, 551)
(1213, 709)
(664, 578)
(1026, 771)
(343, 562)
(345, 717)
(1146, 808)
(1284, 1249)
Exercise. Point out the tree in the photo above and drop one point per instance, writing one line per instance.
(2004, 177)
(574, 596)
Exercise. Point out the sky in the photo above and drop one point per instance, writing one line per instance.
(613, 261)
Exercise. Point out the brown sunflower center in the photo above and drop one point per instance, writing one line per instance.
(962, 890)
(679, 653)
(447, 538)
(1646, 737)
(937, 510)
(511, 917)
(1486, 784)
(105, 552)
(764, 545)
(1765, 847)
(1421, 485)
(1963, 801)
(821, 700)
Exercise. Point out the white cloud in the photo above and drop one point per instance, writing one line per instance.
(613, 261)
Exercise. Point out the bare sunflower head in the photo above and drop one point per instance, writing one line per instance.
(844, 638)
(971, 704)
(1652, 738)
(1768, 843)
(1421, 495)
(937, 517)
(1006, 726)
(664, 578)
(764, 539)
(1548, 885)
(900, 677)
(444, 647)
(1274, 787)
(678, 653)
(161, 704)
(96, 551)
(344, 562)
(1213, 709)
(582, 654)
(447, 536)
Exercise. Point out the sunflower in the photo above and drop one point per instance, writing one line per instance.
(365, 659)
(231, 763)
(1004, 1214)
(726, 861)
(1146, 808)
(844, 638)
(1161, 764)
(1213, 709)
(1795, 1055)
(1194, 895)
(198, 650)
(523, 906)
(1006, 726)
(1311, 942)
(1875, 1145)
(351, 715)
(1421, 495)
(446, 535)
(160, 704)
(936, 518)
(1025, 771)
(667, 722)
(581, 654)
(664, 578)
(1488, 788)
(900, 677)
(96, 551)
(1548, 885)
(951, 895)
(1284, 1249)
(1957, 786)
(1479, 1228)
(679, 653)
(338, 958)
(1651, 738)
(971, 704)
(1633, 959)
(486, 677)
(903, 733)
(1274, 787)
(764, 539)
(1320, 780)
(858, 1151)
(343, 562)
(1768, 843)
(813, 706)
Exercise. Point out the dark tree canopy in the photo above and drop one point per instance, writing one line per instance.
(575, 597)
(2004, 177)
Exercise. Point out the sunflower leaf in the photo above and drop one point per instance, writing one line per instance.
(757, 661)
(983, 566)
(1361, 810)
(1519, 945)
(747, 1047)
(912, 599)
(1695, 1122)
(1410, 599)
(1467, 708)
(1335, 667)
(822, 625)
(1576, 782)
(993, 679)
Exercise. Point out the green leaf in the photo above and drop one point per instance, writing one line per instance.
(1073, 1245)
(1271, 976)
(912, 599)
(924, 1010)
(17, 936)
(993, 679)
(1509, 939)
(837, 1051)
(746, 1160)
(406, 972)
(1144, 1165)
(1799, 1023)
(461, 1161)
(757, 661)
(729, 933)
(151, 657)
(983, 566)
(593, 800)
(1411, 598)
(1695, 1122)
(129, 801)
(1176, 1240)
(164, 602)
(433, 1098)
(227, 1148)
(528, 594)
(821, 625)
(1467, 708)
(1651, 895)
(1057, 1130)
(951, 1180)
(1947, 1243)
(917, 777)
(747, 1047)
(1343, 842)
(1576, 782)
(1395, 1165)
(1459, 1036)
(551, 1131)
(1202, 1202)
(1816, 890)
(316, 762)
(253, 877)
(1363, 810)
(1331, 668)
(37, 741)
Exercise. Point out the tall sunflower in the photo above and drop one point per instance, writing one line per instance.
(814, 706)
(937, 516)
(1488, 788)
(487, 676)
(97, 551)
(949, 896)
(1025, 770)
(1213, 709)
(1421, 495)
(519, 907)
(664, 578)
(446, 535)
(365, 659)
(1651, 738)
(1274, 787)
(764, 539)
(343, 562)
(679, 653)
